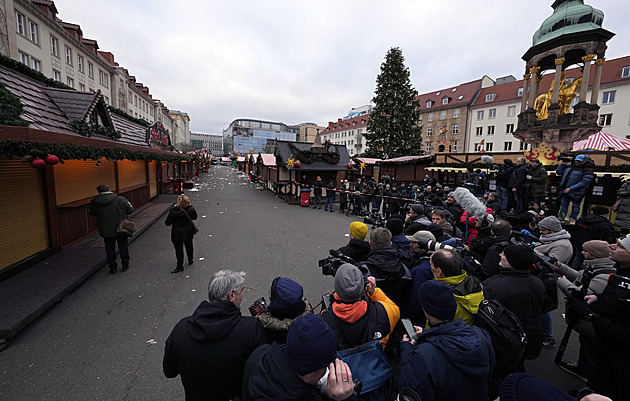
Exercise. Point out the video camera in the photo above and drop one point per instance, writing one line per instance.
(375, 219)
(331, 264)
(431, 245)
(565, 157)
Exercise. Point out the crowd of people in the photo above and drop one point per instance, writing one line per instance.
(433, 259)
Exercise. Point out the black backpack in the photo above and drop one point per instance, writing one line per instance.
(506, 331)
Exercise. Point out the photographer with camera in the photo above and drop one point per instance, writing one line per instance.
(609, 312)
(416, 220)
(357, 249)
(576, 176)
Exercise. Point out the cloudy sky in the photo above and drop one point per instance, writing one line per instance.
(311, 60)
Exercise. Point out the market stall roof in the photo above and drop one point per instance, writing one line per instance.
(312, 159)
(241, 159)
(267, 159)
(368, 160)
(405, 159)
(602, 141)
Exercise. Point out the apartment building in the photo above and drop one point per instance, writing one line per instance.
(349, 133)
(308, 131)
(180, 135)
(211, 142)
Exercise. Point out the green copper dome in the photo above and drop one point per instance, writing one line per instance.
(569, 16)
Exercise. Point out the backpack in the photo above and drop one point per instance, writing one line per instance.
(367, 361)
(506, 331)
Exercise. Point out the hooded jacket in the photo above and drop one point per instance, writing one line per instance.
(385, 264)
(357, 249)
(209, 350)
(504, 173)
(623, 213)
(468, 294)
(578, 178)
(557, 245)
(107, 207)
(518, 177)
(450, 362)
(276, 329)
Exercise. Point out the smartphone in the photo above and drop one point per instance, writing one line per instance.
(411, 332)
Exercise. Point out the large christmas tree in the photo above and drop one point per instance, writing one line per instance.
(393, 129)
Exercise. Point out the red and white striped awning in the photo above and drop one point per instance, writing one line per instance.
(602, 141)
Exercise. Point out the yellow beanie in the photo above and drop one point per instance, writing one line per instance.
(358, 230)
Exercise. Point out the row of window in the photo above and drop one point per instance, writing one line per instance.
(509, 129)
(507, 146)
(492, 113)
(27, 28)
(456, 114)
(454, 130)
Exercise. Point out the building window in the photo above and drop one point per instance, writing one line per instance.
(90, 70)
(460, 97)
(524, 146)
(511, 111)
(490, 129)
(80, 63)
(509, 128)
(130, 98)
(19, 23)
(103, 78)
(507, 146)
(429, 103)
(625, 72)
(609, 97)
(429, 131)
(490, 97)
(106, 99)
(54, 46)
(68, 55)
(489, 146)
(443, 115)
(454, 146)
(36, 64)
(519, 93)
(455, 129)
(135, 97)
(428, 146)
(430, 117)
(82, 87)
(445, 100)
(479, 131)
(605, 119)
(480, 115)
(33, 32)
(492, 113)
(456, 113)
(56, 75)
(23, 57)
(70, 82)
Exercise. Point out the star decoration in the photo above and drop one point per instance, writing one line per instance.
(290, 162)
(362, 165)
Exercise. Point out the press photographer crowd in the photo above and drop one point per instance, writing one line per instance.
(440, 294)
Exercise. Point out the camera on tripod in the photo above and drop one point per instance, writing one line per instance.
(375, 219)
(331, 264)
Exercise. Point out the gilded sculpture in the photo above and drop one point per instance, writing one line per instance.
(567, 92)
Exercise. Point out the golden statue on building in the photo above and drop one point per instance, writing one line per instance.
(566, 93)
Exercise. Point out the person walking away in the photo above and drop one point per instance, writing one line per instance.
(109, 209)
(576, 178)
(330, 195)
(537, 179)
(180, 219)
(357, 248)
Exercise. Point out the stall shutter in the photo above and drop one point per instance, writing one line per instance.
(77, 179)
(23, 231)
(153, 178)
(131, 173)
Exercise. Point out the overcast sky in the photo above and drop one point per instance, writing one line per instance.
(305, 60)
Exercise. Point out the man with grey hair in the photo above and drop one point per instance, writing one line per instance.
(209, 348)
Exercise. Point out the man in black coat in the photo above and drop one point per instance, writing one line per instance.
(357, 249)
(109, 209)
(594, 226)
(516, 184)
(209, 348)
(521, 293)
(502, 233)
(503, 175)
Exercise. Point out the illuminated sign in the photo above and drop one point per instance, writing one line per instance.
(157, 135)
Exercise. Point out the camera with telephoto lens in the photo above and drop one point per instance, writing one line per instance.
(258, 307)
(431, 245)
(375, 219)
(565, 157)
(331, 264)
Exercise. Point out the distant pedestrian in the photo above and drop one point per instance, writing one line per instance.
(317, 192)
(109, 209)
(180, 219)
(330, 194)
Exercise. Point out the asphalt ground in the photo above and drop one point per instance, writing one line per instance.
(105, 341)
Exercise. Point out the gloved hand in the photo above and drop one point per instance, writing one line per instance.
(580, 308)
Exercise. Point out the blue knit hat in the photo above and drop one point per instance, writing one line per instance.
(286, 298)
(311, 344)
(437, 300)
(524, 387)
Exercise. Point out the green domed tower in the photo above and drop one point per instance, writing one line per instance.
(572, 35)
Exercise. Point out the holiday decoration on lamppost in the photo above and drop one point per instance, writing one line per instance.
(362, 166)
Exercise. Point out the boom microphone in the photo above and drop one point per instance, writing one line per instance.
(469, 202)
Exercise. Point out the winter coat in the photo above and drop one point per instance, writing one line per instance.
(524, 295)
(578, 178)
(518, 177)
(209, 350)
(401, 244)
(107, 208)
(317, 188)
(557, 245)
(450, 362)
(602, 267)
(468, 294)
(504, 173)
(538, 183)
(181, 227)
(623, 213)
(330, 189)
(385, 264)
(269, 377)
(418, 224)
(490, 263)
(276, 329)
(494, 205)
(419, 274)
(593, 227)
(357, 249)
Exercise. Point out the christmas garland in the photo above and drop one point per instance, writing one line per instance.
(86, 129)
(309, 157)
(68, 151)
(129, 117)
(10, 108)
(36, 75)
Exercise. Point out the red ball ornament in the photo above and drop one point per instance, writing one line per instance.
(297, 164)
(349, 165)
(51, 159)
(38, 163)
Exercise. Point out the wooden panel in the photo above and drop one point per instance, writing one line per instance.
(131, 173)
(78, 179)
(73, 224)
(153, 182)
(23, 230)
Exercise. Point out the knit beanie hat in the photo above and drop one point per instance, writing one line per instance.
(349, 282)
(551, 223)
(520, 256)
(286, 298)
(597, 248)
(358, 230)
(437, 299)
(395, 226)
(311, 344)
(524, 387)
(417, 209)
(601, 210)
